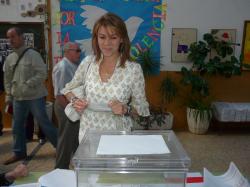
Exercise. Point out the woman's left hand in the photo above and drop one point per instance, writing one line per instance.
(80, 105)
(117, 107)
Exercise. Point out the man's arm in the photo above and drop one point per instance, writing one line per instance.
(8, 76)
(39, 67)
(62, 100)
(60, 78)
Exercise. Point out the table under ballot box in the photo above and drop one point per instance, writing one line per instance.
(130, 159)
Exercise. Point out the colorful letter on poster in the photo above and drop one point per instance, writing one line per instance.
(144, 20)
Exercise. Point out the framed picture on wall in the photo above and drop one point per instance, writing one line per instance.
(181, 40)
(228, 35)
(246, 43)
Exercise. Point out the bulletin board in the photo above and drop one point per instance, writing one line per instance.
(144, 22)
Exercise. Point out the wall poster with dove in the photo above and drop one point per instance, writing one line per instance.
(144, 20)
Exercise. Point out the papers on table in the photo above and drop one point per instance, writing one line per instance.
(58, 177)
(67, 178)
(232, 178)
(131, 145)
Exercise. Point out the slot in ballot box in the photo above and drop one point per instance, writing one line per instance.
(130, 159)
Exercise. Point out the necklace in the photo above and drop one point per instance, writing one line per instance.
(105, 74)
(106, 70)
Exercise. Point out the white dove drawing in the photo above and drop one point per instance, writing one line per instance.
(91, 14)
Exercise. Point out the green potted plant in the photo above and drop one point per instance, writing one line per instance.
(159, 117)
(197, 101)
(210, 56)
(168, 90)
(214, 56)
(148, 62)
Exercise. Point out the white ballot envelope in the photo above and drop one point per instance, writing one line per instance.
(231, 178)
(58, 177)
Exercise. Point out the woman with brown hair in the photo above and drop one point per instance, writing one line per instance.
(113, 85)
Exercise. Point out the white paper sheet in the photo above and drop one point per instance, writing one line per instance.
(58, 177)
(132, 145)
(231, 178)
(99, 107)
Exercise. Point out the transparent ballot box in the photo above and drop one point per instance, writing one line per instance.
(130, 159)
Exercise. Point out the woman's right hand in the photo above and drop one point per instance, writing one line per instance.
(80, 105)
